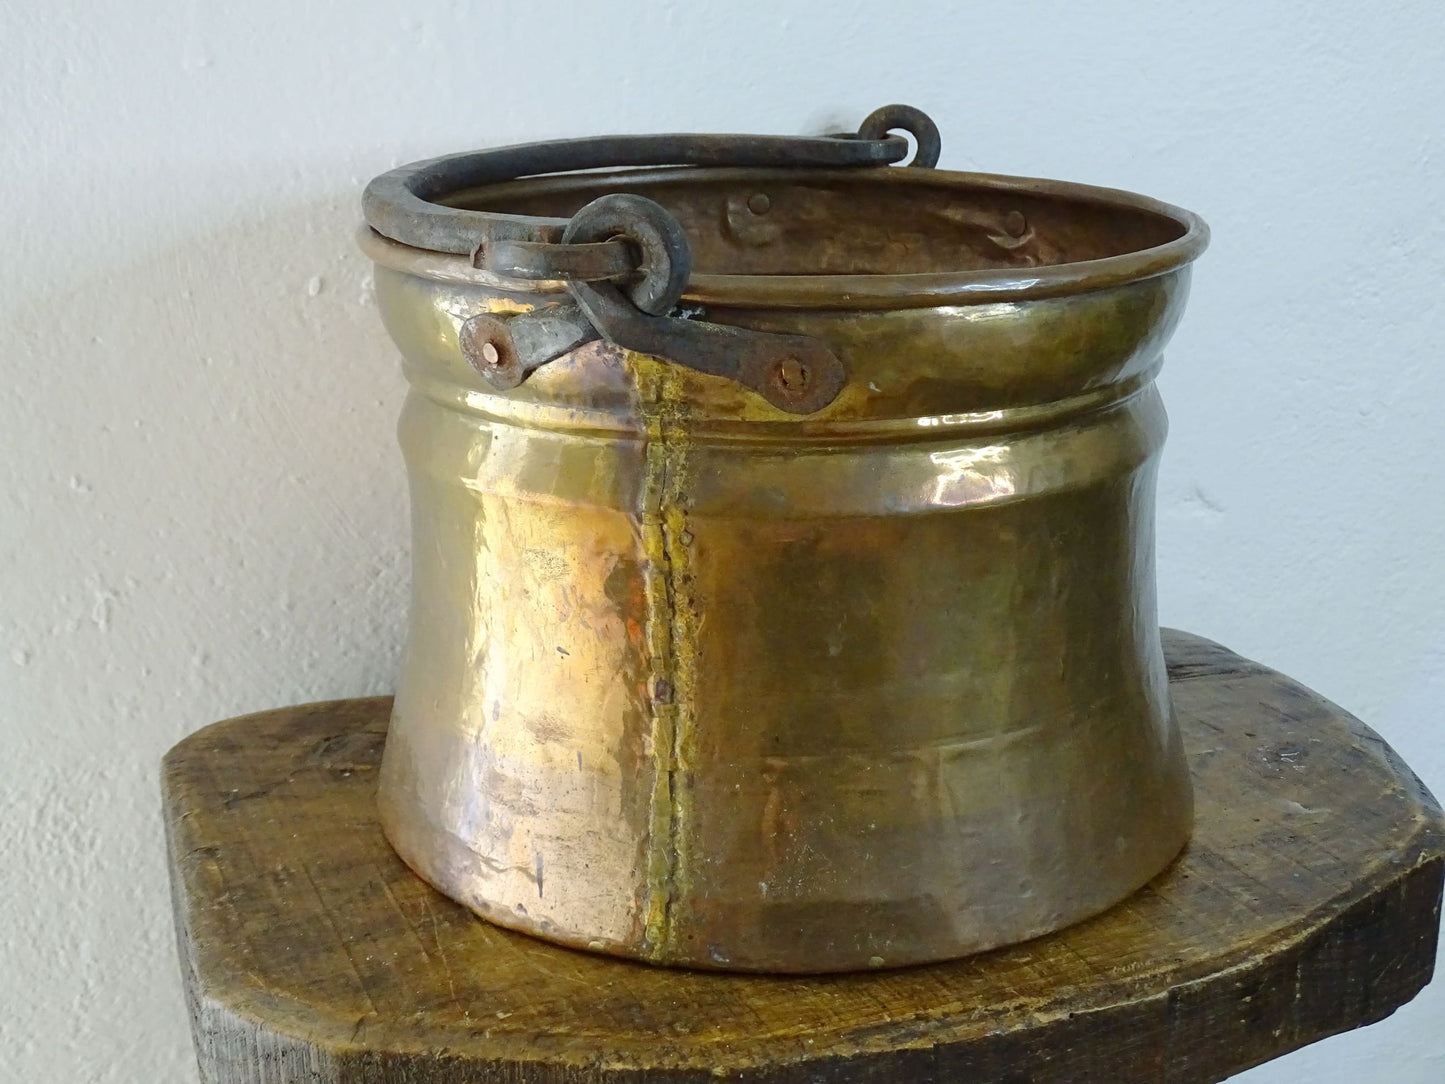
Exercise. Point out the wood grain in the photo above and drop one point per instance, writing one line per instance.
(1307, 904)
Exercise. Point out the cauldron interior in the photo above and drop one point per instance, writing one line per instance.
(858, 222)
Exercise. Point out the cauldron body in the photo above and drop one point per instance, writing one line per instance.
(697, 681)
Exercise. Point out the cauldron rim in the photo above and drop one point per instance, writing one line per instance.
(869, 291)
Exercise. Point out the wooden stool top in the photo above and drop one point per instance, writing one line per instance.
(1307, 904)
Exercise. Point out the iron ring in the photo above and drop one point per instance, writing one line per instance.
(905, 118)
(666, 257)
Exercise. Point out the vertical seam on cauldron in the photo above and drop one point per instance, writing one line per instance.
(670, 638)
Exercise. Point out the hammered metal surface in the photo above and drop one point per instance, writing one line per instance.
(703, 683)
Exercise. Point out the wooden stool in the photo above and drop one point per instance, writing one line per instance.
(1307, 904)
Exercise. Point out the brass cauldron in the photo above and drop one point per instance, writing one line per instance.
(783, 545)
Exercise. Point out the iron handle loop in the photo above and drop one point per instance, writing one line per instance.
(664, 257)
(796, 373)
(624, 258)
(404, 204)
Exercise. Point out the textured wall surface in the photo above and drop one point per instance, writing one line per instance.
(204, 514)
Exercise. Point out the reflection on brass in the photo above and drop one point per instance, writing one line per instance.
(698, 681)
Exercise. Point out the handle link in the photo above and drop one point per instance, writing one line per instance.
(624, 259)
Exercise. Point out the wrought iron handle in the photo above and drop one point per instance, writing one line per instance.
(624, 258)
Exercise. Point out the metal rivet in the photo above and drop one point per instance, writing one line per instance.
(792, 374)
(759, 203)
(490, 354)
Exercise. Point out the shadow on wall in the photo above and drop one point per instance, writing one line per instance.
(205, 515)
(210, 450)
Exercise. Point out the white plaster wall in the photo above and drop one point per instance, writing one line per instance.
(203, 514)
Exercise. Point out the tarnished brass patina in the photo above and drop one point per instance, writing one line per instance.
(698, 680)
